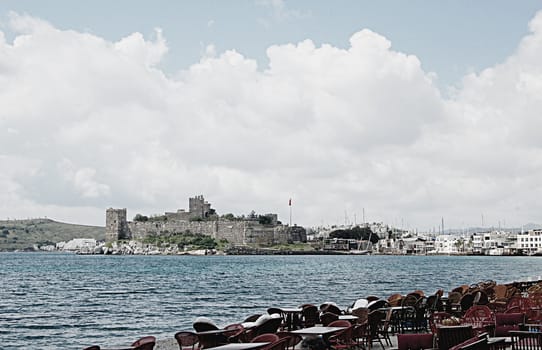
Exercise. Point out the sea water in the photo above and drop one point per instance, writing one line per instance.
(66, 301)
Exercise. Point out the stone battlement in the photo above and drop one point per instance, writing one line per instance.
(202, 219)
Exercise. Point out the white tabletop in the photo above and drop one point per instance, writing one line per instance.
(240, 346)
(317, 330)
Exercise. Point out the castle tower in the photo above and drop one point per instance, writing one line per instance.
(116, 225)
(198, 207)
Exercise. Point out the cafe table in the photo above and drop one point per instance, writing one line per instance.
(240, 346)
(316, 331)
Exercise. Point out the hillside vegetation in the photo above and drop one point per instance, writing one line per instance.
(24, 234)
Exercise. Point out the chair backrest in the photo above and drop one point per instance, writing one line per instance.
(266, 337)
(340, 323)
(186, 339)
(93, 347)
(328, 307)
(235, 332)
(504, 323)
(526, 340)
(478, 313)
(466, 301)
(327, 317)
(145, 343)
(280, 344)
(310, 315)
(414, 341)
(293, 339)
(449, 336)
(269, 326)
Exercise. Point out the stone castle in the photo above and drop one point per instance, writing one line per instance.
(202, 219)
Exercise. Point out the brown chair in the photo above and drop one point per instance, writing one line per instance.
(264, 338)
(450, 336)
(327, 317)
(415, 341)
(329, 307)
(526, 340)
(309, 316)
(293, 339)
(280, 344)
(187, 340)
(145, 343)
(342, 339)
(235, 333)
(374, 331)
(453, 305)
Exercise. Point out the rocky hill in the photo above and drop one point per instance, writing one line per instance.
(24, 234)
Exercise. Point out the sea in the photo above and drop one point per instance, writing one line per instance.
(68, 301)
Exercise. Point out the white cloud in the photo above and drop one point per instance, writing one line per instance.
(87, 124)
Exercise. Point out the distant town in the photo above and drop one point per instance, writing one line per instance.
(200, 230)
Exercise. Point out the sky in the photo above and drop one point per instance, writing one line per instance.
(407, 113)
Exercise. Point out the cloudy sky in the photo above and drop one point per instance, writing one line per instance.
(407, 111)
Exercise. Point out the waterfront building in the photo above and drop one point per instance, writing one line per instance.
(530, 242)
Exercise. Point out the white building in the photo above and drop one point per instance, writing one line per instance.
(530, 242)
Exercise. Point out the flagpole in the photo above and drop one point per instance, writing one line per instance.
(290, 205)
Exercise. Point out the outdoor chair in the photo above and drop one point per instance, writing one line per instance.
(524, 340)
(145, 343)
(466, 302)
(293, 339)
(266, 337)
(453, 306)
(187, 340)
(480, 317)
(450, 336)
(342, 339)
(330, 307)
(328, 317)
(375, 331)
(309, 316)
(395, 299)
(415, 341)
(235, 334)
(504, 323)
(264, 324)
(93, 347)
(280, 344)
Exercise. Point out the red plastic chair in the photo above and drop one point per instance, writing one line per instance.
(479, 316)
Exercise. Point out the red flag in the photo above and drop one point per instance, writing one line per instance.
(290, 202)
